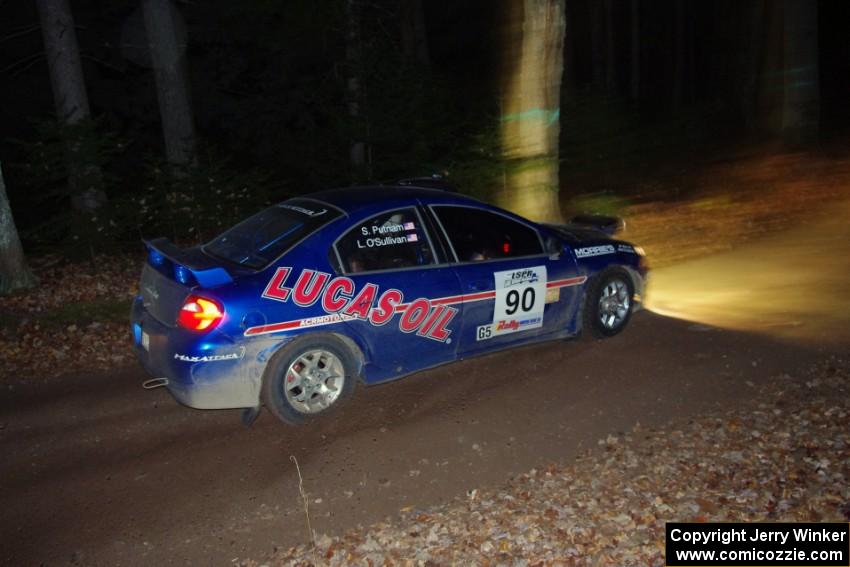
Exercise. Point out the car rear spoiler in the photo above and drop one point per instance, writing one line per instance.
(435, 181)
(606, 224)
(188, 266)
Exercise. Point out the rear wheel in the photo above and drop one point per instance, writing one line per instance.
(308, 378)
(608, 304)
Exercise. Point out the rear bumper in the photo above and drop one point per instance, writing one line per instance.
(222, 394)
(203, 371)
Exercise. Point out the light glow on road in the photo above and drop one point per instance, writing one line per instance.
(795, 284)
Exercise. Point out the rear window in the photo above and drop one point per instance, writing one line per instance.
(258, 240)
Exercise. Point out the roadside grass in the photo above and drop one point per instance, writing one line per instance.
(84, 313)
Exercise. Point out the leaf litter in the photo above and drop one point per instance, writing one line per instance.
(73, 321)
(781, 456)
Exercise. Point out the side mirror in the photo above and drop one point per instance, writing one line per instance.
(554, 247)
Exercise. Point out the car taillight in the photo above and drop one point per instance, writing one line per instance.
(200, 313)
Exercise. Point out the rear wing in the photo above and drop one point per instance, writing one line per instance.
(189, 267)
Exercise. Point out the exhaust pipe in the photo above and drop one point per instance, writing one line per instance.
(154, 383)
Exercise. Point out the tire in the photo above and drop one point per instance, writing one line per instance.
(308, 378)
(608, 304)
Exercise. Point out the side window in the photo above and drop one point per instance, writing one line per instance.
(477, 235)
(391, 240)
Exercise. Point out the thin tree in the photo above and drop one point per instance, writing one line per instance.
(353, 59)
(14, 273)
(678, 53)
(801, 106)
(597, 43)
(531, 119)
(70, 99)
(172, 85)
(413, 32)
(634, 75)
(751, 66)
(610, 49)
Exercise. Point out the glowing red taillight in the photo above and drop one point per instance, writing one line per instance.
(200, 313)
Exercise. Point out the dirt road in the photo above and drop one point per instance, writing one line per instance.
(794, 284)
(97, 471)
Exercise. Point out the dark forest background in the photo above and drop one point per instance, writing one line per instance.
(645, 84)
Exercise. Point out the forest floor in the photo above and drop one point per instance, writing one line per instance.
(784, 455)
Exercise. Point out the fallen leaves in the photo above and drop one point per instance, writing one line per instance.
(609, 507)
(68, 323)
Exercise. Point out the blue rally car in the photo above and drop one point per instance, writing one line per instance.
(292, 307)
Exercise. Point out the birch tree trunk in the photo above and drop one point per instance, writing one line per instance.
(70, 99)
(531, 120)
(172, 84)
(14, 273)
(801, 106)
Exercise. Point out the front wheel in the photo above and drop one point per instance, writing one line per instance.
(309, 377)
(608, 304)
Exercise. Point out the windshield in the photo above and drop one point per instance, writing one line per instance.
(258, 240)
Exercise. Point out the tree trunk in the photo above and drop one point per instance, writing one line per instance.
(172, 83)
(357, 151)
(610, 49)
(413, 32)
(14, 273)
(801, 106)
(531, 123)
(771, 83)
(634, 75)
(569, 85)
(63, 61)
(678, 54)
(752, 67)
(691, 54)
(597, 43)
(70, 99)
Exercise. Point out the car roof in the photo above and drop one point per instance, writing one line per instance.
(353, 199)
